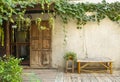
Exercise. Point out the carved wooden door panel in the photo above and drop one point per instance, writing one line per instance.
(40, 46)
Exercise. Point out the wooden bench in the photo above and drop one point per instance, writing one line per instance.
(106, 62)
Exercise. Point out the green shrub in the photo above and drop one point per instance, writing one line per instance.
(10, 70)
(70, 56)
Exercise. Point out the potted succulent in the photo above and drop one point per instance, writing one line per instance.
(70, 56)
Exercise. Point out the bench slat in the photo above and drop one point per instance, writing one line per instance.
(105, 59)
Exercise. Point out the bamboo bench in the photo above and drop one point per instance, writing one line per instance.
(106, 62)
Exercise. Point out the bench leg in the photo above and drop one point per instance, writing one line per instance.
(66, 66)
(78, 67)
(73, 66)
(111, 68)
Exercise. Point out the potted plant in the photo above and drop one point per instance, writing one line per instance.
(70, 56)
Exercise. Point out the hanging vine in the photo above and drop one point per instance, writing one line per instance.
(63, 8)
(2, 36)
(82, 12)
(68, 11)
(51, 22)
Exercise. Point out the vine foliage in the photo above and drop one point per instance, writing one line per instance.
(85, 12)
(63, 8)
(82, 12)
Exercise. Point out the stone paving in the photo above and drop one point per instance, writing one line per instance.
(42, 75)
(53, 75)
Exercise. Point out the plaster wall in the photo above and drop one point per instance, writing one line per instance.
(95, 40)
(92, 40)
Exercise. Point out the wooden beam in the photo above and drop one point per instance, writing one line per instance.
(7, 39)
(38, 11)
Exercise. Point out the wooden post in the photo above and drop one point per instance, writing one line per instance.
(111, 68)
(7, 39)
(78, 67)
(66, 65)
(73, 66)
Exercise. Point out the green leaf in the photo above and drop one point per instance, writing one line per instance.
(1, 21)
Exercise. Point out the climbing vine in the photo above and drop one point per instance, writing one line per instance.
(2, 36)
(63, 8)
(84, 12)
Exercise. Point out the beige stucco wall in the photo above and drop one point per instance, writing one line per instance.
(101, 40)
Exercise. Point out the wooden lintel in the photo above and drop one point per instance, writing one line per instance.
(38, 11)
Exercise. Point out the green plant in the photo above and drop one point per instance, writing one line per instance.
(63, 8)
(51, 22)
(38, 23)
(23, 24)
(68, 11)
(10, 70)
(2, 36)
(27, 22)
(70, 56)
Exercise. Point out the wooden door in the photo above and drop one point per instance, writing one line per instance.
(40, 46)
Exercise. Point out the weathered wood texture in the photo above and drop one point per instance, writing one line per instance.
(7, 38)
(105, 62)
(97, 59)
(70, 65)
(40, 49)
